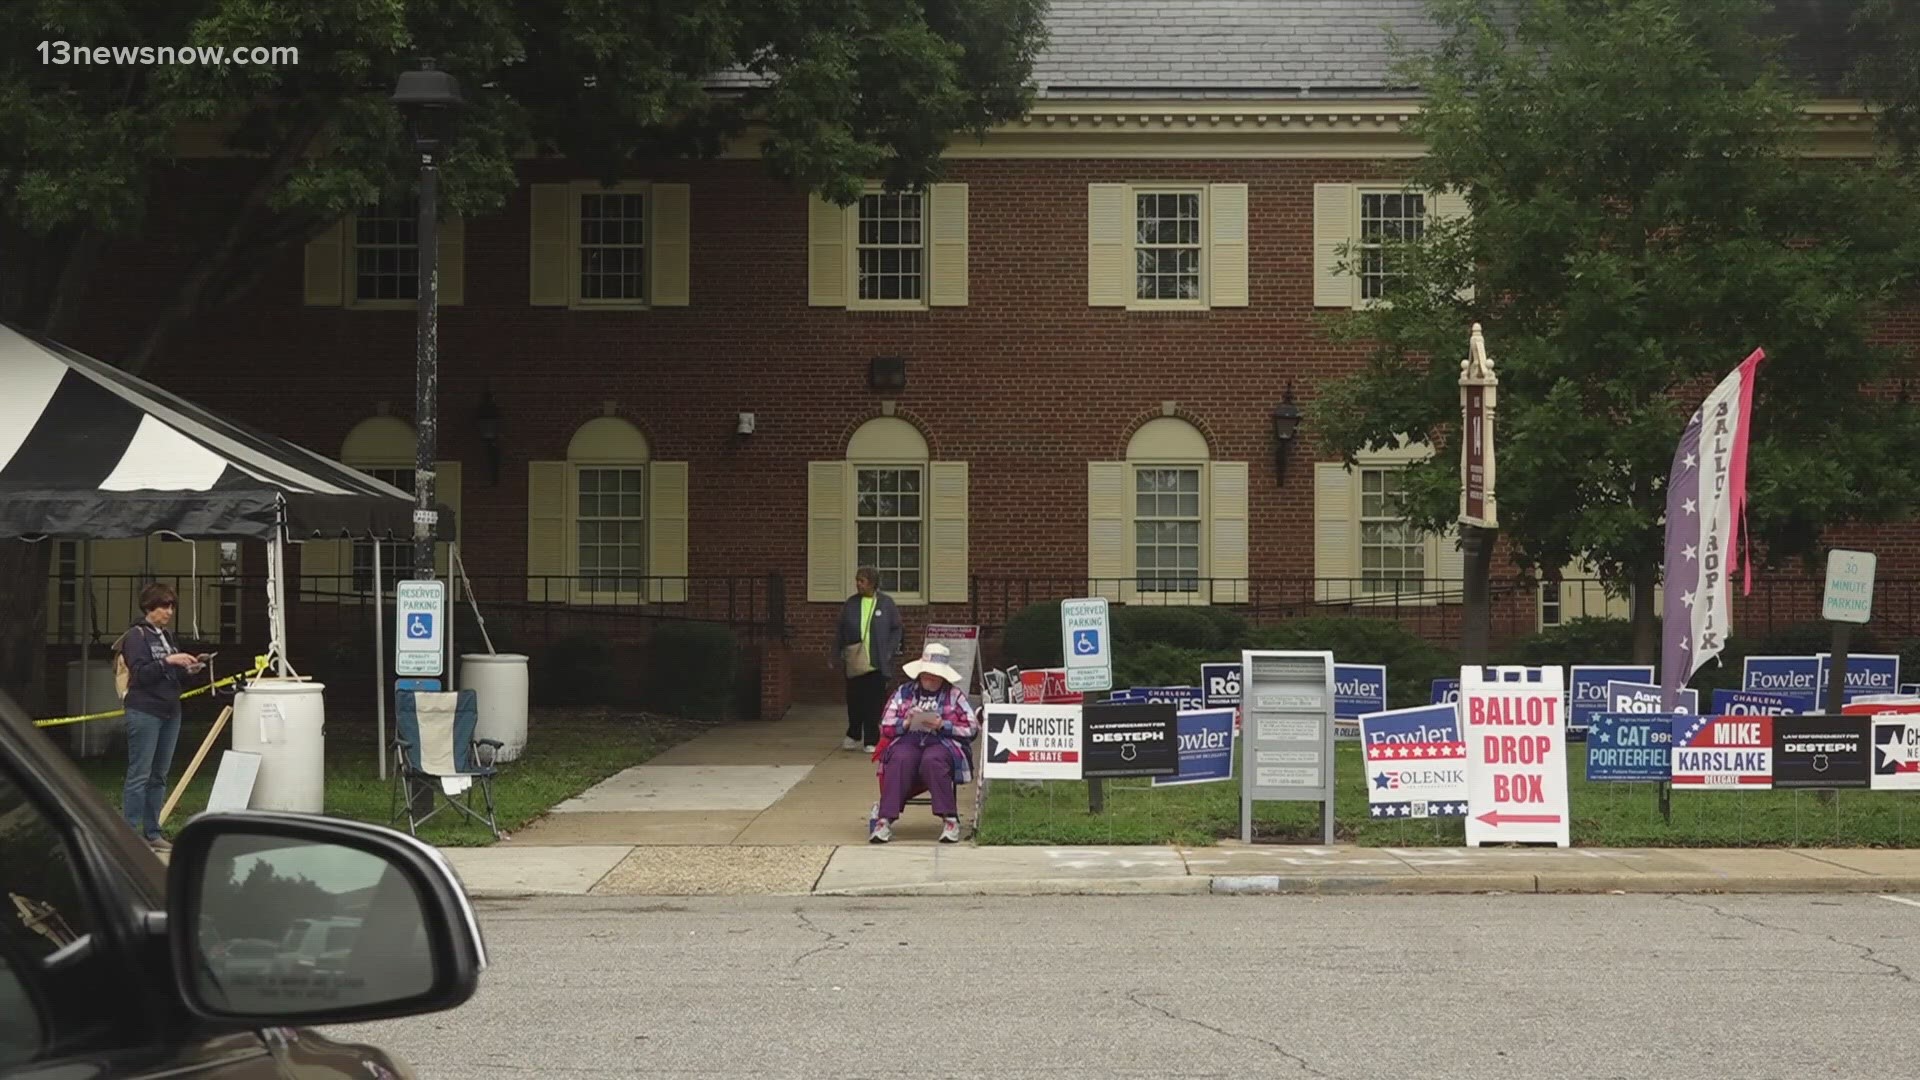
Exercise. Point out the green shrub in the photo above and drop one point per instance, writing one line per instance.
(1578, 641)
(691, 670)
(1032, 636)
(1180, 627)
(1412, 661)
(1164, 665)
(579, 669)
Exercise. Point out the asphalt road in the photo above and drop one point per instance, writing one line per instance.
(1431, 987)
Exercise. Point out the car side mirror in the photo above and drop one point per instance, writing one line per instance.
(294, 919)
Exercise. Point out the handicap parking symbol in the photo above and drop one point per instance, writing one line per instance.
(420, 625)
(1086, 642)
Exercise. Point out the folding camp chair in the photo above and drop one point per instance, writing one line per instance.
(919, 797)
(436, 758)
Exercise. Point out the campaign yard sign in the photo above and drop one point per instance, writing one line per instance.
(1515, 728)
(1358, 689)
(1796, 678)
(1048, 686)
(1722, 753)
(1129, 740)
(1630, 747)
(1644, 697)
(1033, 742)
(1588, 694)
(1220, 683)
(1867, 673)
(1821, 751)
(1753, 703)
(1896, 753)
(1445, 691)
(1416, 763)
(1206, 748)
(1180, 697)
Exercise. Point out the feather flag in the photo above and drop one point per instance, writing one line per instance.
(1706, 507)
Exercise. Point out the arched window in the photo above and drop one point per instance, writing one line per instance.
(889, 506)
(609, 524)
(383, 447)
(1168, 525)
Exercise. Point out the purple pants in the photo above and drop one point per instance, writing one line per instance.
(917, 760)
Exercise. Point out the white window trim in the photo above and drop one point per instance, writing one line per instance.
(852, 226)
(1428, 542)
(580, 593)
(1196, 594)
(353, 546)
(1204, 302)
(1360, 191)
(350, 283)
(1559, 604)
(912, 599)
(577, 188)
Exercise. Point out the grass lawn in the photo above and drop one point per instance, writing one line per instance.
(1604, 815)
(568, 751)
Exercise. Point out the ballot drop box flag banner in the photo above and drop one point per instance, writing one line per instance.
(1416, 763)
(1516, 734)
(1722, 753)
(1706, 503)
(1033, 742)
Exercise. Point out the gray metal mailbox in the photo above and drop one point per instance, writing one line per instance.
(1286, 721)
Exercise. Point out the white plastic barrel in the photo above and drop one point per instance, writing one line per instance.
(285, 723)
(499, 685)
(95, 738)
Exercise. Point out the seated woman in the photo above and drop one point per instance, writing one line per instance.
(925, 733)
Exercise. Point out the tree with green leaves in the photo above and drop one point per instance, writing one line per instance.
(1643, 215)
(834, 92)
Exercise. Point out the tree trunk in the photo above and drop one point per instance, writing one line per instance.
(1476, 601)
(1646, 627)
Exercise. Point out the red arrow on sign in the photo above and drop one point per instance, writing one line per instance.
(1497, 819)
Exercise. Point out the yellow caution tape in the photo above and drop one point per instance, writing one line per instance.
(259, 667)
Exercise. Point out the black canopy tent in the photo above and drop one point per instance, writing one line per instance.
(89, 452)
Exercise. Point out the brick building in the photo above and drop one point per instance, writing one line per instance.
(1051, 373)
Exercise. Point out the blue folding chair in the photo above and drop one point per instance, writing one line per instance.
(437, 760)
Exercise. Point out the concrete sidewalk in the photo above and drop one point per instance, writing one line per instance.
(966, 870)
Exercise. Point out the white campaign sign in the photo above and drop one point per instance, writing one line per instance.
(1849, 595)
(1086, 639)
(1516, 735)
(419, 631)
(1033, 742)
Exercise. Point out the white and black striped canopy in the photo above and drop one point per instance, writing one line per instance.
(88, 451)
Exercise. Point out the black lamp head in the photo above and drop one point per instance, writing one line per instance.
(487, 417)
(1286, 417)
(427, 96)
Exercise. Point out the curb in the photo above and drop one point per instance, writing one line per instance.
(1152, 886)
(1372, 884)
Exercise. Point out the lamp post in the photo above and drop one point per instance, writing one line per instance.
(428, 97)
(1479, 509)
(1286, 423)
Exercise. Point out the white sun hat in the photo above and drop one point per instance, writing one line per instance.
(934, 660)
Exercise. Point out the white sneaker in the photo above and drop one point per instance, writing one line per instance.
(871, 749)
(849, 744)
(882, 832)
(950, 830)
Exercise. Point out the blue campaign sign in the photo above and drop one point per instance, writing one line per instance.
(1630, 747)
(1359, 689)
(1221, 684)
(1787, 675)
(1416, 763)
(1644, 698)
(1588, 690)
(1754, 703)
(1446, 691)
(1867, 673)
(1181, 697)
(1206, 748)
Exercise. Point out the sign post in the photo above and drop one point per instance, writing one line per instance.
(1479, 509)
(1086, 642)
(420, 616)
(1848, 601)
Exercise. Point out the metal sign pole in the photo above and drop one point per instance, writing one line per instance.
(379, 664)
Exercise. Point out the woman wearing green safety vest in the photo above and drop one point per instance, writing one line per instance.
(870, 636)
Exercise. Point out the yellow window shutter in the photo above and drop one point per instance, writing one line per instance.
(947, 575)
(672, 245)
(180, 564)
(1447, 206)
(446, 492)
(1227, 245)
(826, 255)
(550, 246)
(120, 571)
(1109, 246)
(326, 268)
(1449, 567)
(548, 518)
(1109, 546)
(325, 569)
(1333, 225)
(453, 260)
(949, 235)
(1227, 520)
(827, 549)
(667, 532)
(1334, 541)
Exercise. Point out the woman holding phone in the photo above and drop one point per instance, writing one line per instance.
(926, 732)
(156, 673)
